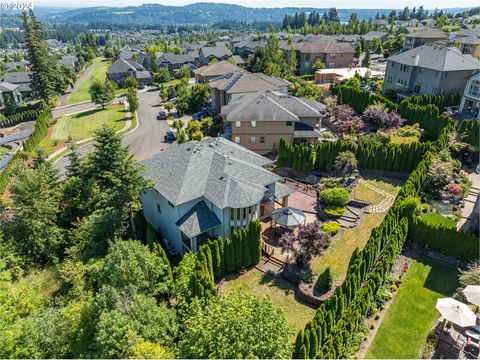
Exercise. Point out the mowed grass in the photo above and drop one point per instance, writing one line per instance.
(83, 125)
(99, 72)
(281, 293)
(438, 219)
(337, 255)
(412, 313)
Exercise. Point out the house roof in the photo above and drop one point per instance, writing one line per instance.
(244, 82)
(374, 34)
(271, 106)
(224, 173)
(22, 77)
(468, 32)
(428, 33)
(7, 87)
(175, 58)
(437, 57)
(320, 46)
(469, 40)
(218, 69)
(197, 220)
(215, 51)
(238, 59)
(123, 65)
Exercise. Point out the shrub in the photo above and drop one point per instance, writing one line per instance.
(335, 197)
(324, 281)
(331, 227)
(334, 210)
(454, 188)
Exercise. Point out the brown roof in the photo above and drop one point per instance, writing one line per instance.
(218, 69)
(428, 34)
(244, 81)
(318, 47)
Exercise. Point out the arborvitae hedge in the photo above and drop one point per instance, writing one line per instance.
(440, 101)
(298, 157)
(459, 244)
(360, 99)
(157, 249)
(20, 117)
(471, 130)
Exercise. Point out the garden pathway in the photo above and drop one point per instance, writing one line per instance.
(468, 211)
(383, 205)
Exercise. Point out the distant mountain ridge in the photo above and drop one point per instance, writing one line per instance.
(198, 13)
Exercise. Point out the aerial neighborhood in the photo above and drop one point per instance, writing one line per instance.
(225, 182)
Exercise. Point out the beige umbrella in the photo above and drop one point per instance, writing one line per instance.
(472, 293)
(456, 312)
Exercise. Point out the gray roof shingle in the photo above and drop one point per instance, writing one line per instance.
(244, 82)
(197, 220)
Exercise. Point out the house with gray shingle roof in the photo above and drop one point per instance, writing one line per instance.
(12, 90)
(208, 72)
(258, 121)
(121, 69)
(174, 62)
(22, 79)
(206, 189)
(209, 53)
(429, 69)
(418, 37)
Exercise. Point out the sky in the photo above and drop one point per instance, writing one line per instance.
(372, 4)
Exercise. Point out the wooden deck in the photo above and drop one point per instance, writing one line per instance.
(453, 344)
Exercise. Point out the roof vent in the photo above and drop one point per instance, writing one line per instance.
(211, 144)
(229, 163)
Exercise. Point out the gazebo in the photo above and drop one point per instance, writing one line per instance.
(288, 217)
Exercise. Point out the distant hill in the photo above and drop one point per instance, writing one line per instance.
(199, 13)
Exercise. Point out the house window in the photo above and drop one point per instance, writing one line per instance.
(404, 68)
(289, 123)
(420, 71)
(393, 64)
(238, 123)
(253, 139)
(254, 123)
(232, 214)
(237, 139)
(434, 90)
(332, 56)
(159, 209)
(262, 139)
(446, 74)
(169, 203)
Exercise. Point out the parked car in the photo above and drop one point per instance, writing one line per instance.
(141, 86)
(172, 100)
(162, 115)
(199, 115)
(169, 137)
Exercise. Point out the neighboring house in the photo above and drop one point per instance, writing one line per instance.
(134, 52)
(424, 36)
(470, 104)
(70, 61)
(332, 53)
(226, 87)
(206, 189)
(22, 79)
(257, 121)
(10, 65)
(339, 74)
(209, 72)
(121, 69)
(369, 36)
(248, 47)
(429, 69)
(238, 60)
(173, 62)
(469, 45)
(209, 53)
(7, 89)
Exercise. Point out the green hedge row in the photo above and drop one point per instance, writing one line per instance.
(298, 157)
(428, 117)
(471, 131)
(459, 244)
(156, 248)
(438, 100)
(360, 99)
(20, 117)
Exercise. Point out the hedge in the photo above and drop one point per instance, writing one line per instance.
(298, 157)
(439, 101)
(459, 244)
(470, 128)
(157, 249)
(360, 99)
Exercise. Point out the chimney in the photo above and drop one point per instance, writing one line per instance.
(417, 59)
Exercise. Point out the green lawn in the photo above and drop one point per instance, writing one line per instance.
(338, 254)
(99, 71)
(438, 219)
(83, 125)
(280, 291)
(409, 319)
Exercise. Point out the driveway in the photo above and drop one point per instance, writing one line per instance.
(145, 141)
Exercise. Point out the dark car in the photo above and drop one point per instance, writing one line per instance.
(141, 86)
(162, 115)
(169, 136)
(199, 115)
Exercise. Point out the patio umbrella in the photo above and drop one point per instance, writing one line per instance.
(472, 293)
(456, 312)
(288, 217)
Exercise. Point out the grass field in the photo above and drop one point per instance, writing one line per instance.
(83, 125)
(338, 254)
(280, 291)
(412, 313)
(99, 71)
(438, 219)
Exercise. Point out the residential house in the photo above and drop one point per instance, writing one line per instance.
(226, 87)
(174, 62)
(135, 53)
(332, 53)
(369, 36)
(22, 79)
(70, 61)
(429, 69)
(424, 36)
(208, 72)
(209, 53)
(248, 47)
(339, 74)
(121, 69)
(12, 90)
(11, 65)
(238, 60)
(468, 41)
(257, 121)
(206, 189)
(470, 104)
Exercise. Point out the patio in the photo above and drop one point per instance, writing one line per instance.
(453, 344)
